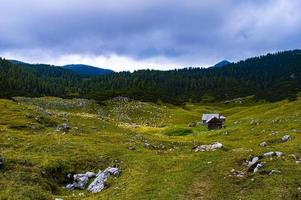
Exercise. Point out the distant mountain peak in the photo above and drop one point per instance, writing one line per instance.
(87, 69)
(222, 63)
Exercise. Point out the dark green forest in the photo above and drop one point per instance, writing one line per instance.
(271, 77)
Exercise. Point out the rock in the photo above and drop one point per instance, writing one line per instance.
(216, 145)
(148, 145)
(286, 138)
(276, 153)
(134, 125)
(131, 148)
(263, 144)
(98, 184)
(274, 172)
(63, 128)
(1, 162)
(253, 161)
(210, 147)
(90, 174)
(80, 180)
(236, 173)
(259, 165)
(58, 199)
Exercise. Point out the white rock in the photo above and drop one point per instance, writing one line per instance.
(90, 174)
(216, 145)
(80, 181)
(209, 147)
(253, 161)
(98, 184)
(268, 154)
(278, 153)
(259, 165)
(263, 144)
(285, 138)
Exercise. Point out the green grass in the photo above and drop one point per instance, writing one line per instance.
(37, 157)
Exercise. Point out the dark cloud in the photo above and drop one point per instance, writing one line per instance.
(185, 32)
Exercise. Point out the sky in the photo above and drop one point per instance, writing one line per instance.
(138, 34)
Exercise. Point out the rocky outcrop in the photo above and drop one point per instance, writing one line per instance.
(209, 147)
(80, 181)
(99, 182)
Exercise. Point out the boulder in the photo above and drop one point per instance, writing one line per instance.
(99, 182)
(286, 138)
(80, 180)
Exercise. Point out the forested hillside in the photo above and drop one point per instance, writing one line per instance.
(272, 77)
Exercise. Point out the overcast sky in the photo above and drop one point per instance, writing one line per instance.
(135, 34)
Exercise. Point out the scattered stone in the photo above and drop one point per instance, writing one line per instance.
(1, 162)
(134, 125)
(210, 147)
(131, 148)
(148, 145)
(63, 128)
(276, 153)
(226, 133)
(274, 171)
(98, 184)
(286, 138)
(263, 144)
(274, 133)
(236, 173)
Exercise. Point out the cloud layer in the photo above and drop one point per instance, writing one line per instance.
(132, 34)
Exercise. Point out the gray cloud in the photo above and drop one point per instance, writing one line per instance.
(188, 32)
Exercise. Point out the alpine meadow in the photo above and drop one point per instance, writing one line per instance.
(123, 100)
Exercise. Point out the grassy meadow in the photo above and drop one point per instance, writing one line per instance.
(37, 157)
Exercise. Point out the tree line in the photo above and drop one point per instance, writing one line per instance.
(271, 77)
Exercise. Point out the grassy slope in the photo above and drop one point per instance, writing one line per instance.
(37, 157)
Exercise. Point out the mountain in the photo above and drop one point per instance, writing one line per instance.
(17, 62)
(222, 63)
(87, 70)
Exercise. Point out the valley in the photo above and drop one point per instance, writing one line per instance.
(152, 145)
